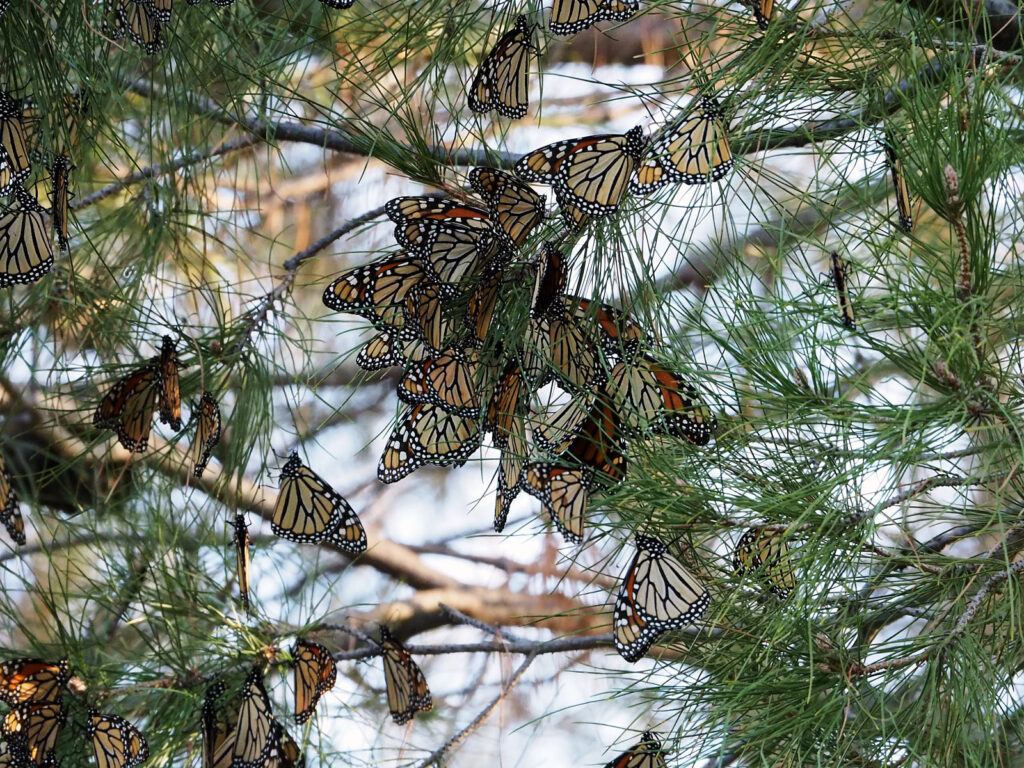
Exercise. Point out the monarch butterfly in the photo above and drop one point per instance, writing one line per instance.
(170, 392)
(651, 398)
(481, 304)
(763, 11)
(511, 204)
(503, 80)
(571, 16)
(590, 173)
(406, 210)
(128, 408)
(254, 732)
(645, 754)
(555, 433)
(241, 537)
(403, 679)
(564, 489)
(315, 674)
(839, 278)
(450, 252)
(550, 281)
(141, 27)
(308, 510)
(557, 343)
(376, 291)
(574, 218)
(26, 252)
(619, 334)
(427, 434)
(10, 514)
(387, 349)
(657, 595)
(285, 753)
(218, 734)
(116, 743)
(899, 182)
(207, 433)
(428, 316)
(159, 10)
(766, 554)
(448, 381)
(24, 680)
(31, 730)
(13, 139)
(505, 418)
(59, 199)
(694, 150)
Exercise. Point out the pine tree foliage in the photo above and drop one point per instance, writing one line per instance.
(220, 183)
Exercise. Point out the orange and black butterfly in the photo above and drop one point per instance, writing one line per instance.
(505, 418)
(839, 276)
(403, 679)
(170, 391)
(899, 182)
(511, 204)
(763, 12)
(427, 434)
(241, 538)
(128, 407)
(24, 680)
(10, 513)
(309, 510)
(503, 80)
(116, 743)
(449, 381)
(141, 25)
(30, 730)
(694, 150)
(256, 730)
(590, 174)
(482, 302)
(651, 398)
(765, 554)
(14, 141)
(571, 16)
(658, 594)
(645, 754)
(60, 176)
(315, 674)
(377, 291)
(207, 433)
(26, 250)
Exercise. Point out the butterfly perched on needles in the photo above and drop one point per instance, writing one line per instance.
(10, 512)
(765, 554)
(30, 730)
(693, 150)
(505, 418)
(651, 398)
(503, 80)
(899, 182)
(207, 433)
(60, 176)
(658, 594)
(315, 674)
(427, 434)
(26, 250)
(377, 291)
(128, 407)
(644, 754)
(116, 743)
(309, 510)
(839, 277)
(404, 682)
(511, 204)
(596, 454)
(590, 174)
(571, 16)
(240, 531)
(139, 21)
(448, 381)
(13, 141)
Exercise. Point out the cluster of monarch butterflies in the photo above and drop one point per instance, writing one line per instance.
(26, 242)
(128, 407)
(244, 733)
(437, 306)
(33, 689)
